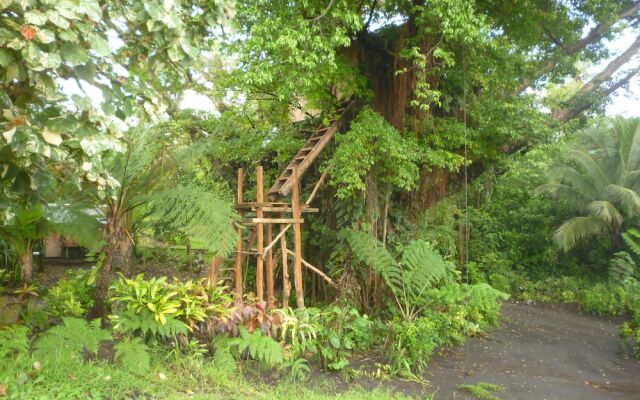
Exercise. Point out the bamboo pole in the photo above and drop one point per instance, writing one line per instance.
(275, 240)
(286, 285)
(316, 270)
(259, 234)
(297, 240)
(270, 277)
(238, 269)
(317, 187)
(213, 272)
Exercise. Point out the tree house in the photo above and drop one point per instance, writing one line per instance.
(263, 216)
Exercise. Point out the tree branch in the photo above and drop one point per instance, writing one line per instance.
(582, 100)
(571, 49)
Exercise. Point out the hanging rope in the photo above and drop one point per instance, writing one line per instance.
(466, 182)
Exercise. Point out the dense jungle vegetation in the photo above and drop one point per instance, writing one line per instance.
(480, 167)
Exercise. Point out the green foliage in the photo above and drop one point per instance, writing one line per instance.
(621, 267)
(631, 238)
(133, 354)
(145, 324)
(372, 144)
(71, 339)
(420, 269)
(342, 332)
(261, 348)
(72, 295)
(483, 390)
(603, 299)
(14, 341)
(599, 177)
(153, 295)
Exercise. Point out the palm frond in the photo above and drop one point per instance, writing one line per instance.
(589, 164)
(628, 198)
(576, 229)
(605, 211)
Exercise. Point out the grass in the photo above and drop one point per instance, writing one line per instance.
(191, 378)
(483, 390)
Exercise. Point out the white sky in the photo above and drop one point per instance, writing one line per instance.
(624, 101)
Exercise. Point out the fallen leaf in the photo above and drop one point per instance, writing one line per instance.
(28, 32)
(3, 390)
(37, 366)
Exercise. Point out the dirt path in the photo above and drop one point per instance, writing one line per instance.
(541, 352)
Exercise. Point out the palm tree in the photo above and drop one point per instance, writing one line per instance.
(149, 190)
(600, 177)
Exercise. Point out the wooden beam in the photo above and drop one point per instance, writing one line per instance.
(259, 234)
(288, 208)
(317, 271)
(269, 261)
(297, 240)
(273, 242)
(275, 220)
(286, 284)
(213, 272)
(317, 187)
(254, 204)
(239, 257)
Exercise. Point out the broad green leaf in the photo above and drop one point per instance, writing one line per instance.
(12, 72)
(99, 45)
(68, 36)
(35, 17)
(5, 57)
(92, 9)
(45, 36)
(83, 102)
(32, 55)
(57, 19)
(51, 60)
(175, 53)
(74, 54)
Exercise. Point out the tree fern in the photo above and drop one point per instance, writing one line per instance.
(621, 267)
(200, 214)
(421, 267)
(133, 354)
(72, 338)
(632, 238)
(14, 341)
(259, 347)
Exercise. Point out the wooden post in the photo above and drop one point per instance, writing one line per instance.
(259, 234)
(297, 240)
(270, 278)
(238, 271)
(286, 285)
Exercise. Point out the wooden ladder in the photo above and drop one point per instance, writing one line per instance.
(311, 150)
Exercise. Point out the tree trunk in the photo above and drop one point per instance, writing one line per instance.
(126, 250)
(616, 237)
(26, 264)
(102, 284)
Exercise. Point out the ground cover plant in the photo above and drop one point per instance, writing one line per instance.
(473, 164)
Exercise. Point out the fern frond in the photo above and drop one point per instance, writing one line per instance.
(370, 251)
(14, 341)
(259, 347)
(422, 267)
(133, 354)
(200, 214)
(73, 337)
